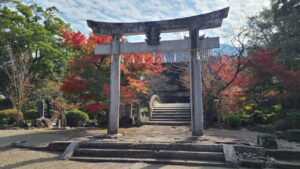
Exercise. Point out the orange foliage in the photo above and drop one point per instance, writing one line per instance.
(81, 81)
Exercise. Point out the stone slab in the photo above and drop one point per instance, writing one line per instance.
(231, 159)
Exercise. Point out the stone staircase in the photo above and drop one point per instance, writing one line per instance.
(162, 153)
(170, 114)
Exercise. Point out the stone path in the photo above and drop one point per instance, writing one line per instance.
(26, 159)
(182, 134)
(147, 133)
(18, 158)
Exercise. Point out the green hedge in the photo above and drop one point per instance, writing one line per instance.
(31, 114)
(9, 117)
(76, 118)
(233, 120)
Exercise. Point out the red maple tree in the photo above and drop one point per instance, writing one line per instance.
(266, 66)
(88, 78)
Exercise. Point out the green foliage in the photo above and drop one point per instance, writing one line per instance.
(144, 111)
(31, 105)
(261, 29)
(32, 27)
(278, 29)
(3, 119)
(261, 111)
(233, 120)
(31, 114)
(9, 117)
(76, 118)
(287, 37)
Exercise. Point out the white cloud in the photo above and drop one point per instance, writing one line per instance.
(78, 11)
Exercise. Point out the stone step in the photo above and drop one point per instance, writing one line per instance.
(157, 154)
(284, 154)
(168, 123)
(174, 116)
(286, 164)
(172, 105)
(180, 107)
(171, 108)
(58, 145)
(171, 115)
(172, 111)
(157, 107)
(151, 161)
(151, 146)
(170, 119)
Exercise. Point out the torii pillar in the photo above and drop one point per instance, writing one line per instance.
(115, 75)
(196, 86)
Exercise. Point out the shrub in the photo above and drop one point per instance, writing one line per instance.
(3, 119)
(144, 111)
(31, 105)
(233, 120)
(262, 112)
(31, 114)
(76, 118)
(9, 117)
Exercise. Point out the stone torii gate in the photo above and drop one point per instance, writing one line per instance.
(152, 30)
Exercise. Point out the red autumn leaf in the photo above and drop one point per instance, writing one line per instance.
(83, 68)
(73, 83)
(94, 107)
(86, 97)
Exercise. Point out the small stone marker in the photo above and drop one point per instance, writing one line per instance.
(41, 107)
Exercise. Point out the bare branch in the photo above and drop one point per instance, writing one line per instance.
(17, 70)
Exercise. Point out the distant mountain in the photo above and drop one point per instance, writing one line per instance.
(225, 49)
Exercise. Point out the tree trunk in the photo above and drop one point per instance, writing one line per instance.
(19, 121)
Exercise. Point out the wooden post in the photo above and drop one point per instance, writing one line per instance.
(113, 119)
(196, 86)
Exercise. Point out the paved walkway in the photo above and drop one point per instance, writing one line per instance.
(18, 158)
(146, 133)
(180, 134)
(26, 159)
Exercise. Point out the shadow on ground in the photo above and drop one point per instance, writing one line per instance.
(41, 137)
(29, 162)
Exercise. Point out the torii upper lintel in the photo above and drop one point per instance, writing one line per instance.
(204, 21)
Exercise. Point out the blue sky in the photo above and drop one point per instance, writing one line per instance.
(77, 12)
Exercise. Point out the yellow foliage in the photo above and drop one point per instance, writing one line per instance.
(12, 113)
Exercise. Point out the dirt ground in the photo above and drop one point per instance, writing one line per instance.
(20, 158)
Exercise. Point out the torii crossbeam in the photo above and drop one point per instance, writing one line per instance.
(152, 30)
